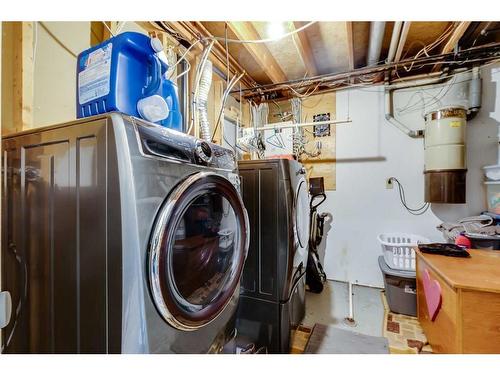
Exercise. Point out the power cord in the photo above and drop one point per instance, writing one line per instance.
(22, 298)
(414, 211)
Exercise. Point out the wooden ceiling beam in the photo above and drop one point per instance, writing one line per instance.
(350, 44)
(221, 49)
(458, 33)
(152, 28)
(304, 48)
(402, 40)
(260, 53)
(460, 29)
(192, 31)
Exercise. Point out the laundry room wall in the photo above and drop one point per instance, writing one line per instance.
(321, 104)
(369, 150)
(43, 88)
(50, 51)
(56, 47)
(48, 80)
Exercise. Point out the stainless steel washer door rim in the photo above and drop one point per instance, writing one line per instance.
(301, 216)
(197, 251)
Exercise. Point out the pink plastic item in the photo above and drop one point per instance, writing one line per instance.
(432, 291)
(463, 241)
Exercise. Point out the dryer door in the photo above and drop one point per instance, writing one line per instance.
(197, 251)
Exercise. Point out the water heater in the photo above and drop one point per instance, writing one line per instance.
(445, 158)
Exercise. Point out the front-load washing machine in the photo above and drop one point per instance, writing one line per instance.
(119, 236)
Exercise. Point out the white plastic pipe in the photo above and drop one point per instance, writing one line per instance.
(475, 90)
(351, 313)
(377, 30)
(396, 32)
(389, 105)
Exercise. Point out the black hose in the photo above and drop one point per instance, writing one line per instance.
(414, 211)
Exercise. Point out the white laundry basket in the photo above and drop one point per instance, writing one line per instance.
(398, 249)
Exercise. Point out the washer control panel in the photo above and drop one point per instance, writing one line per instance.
(156, 140)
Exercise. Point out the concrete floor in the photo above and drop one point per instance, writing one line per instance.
(332, 306)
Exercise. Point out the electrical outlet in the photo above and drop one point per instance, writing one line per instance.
(389, 184)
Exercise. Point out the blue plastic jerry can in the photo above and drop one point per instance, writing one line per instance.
(125, 74)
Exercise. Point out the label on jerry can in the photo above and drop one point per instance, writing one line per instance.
(94, 79)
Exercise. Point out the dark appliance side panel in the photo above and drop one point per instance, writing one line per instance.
(249, 186)
(285, 239)
(91, 240)
(295, 266)
(56, 213)
(260, 187)
(292, 313)
(113, 245)
(259, 321)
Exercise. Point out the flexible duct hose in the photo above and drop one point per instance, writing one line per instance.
(202, 74)
(202, 101)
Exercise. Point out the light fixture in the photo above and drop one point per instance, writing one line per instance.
(275, 30)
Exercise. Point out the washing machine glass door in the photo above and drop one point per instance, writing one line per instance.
(197, 251)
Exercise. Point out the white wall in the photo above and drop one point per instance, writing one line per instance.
(369, 150)
(55, 70)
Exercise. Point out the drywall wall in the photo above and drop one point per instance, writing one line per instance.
(324, 164)
(369, 150)
(56, 46)
(55, 49)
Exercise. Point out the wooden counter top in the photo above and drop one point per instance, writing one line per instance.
(479, 272)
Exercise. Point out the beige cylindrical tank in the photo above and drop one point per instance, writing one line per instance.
(445, 157)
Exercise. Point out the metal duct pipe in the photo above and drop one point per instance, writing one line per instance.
(475, 87)
(389, 104)
(202, 101)
(377, 30)
(202, 74)
(402, 40)
(396, 32)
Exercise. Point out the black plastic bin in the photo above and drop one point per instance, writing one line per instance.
(400, 289)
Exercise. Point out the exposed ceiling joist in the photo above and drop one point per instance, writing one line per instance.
(246, 80)
(460, 29)
(485, 53)
(260, 53)
(304, 49)
(456, 36)
(192, 31)
(402, 40)
(350, 44)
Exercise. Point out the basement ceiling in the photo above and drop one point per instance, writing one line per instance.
(331, 45)
(338, 48)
